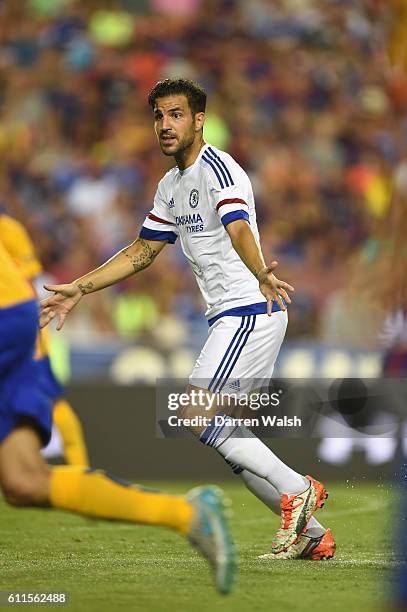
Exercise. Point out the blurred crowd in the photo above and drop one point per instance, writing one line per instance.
(303, 93)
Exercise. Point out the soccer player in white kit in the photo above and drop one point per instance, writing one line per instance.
(207, 201)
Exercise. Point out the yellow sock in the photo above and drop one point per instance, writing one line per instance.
(70, 428)
(94, 493)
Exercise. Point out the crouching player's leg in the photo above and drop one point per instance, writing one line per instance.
(239, 351)
(262, 472)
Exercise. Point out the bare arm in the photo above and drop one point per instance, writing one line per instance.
(134, 258)
(249, 251)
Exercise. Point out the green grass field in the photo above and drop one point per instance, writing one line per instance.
(106, 566)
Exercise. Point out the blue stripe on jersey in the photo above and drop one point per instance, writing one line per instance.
(215, 160)
(225, 368)
(221, 162)
(215, 169)
(150, 234)
(233, 216)
(227, 352)
(242, 345)
(241, 311)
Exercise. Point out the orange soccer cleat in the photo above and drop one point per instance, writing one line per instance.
(307, 547)
(296, 511)
(325, 549)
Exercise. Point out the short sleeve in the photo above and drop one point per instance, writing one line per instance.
(158, 224)
(229, 186)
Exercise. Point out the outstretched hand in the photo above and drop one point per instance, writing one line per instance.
(273, 289)
(60, 304)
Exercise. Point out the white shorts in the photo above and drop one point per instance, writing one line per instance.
(239, 350)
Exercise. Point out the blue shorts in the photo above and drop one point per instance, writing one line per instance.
(20, 393)
(48, 383)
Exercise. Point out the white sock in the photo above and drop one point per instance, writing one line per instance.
(240, 447)
(269, 495)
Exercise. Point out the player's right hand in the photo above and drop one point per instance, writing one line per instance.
(60, 304)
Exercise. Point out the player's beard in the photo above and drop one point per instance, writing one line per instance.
(179, 146)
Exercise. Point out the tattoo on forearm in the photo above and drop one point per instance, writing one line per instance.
(143, 258)
(84, 289)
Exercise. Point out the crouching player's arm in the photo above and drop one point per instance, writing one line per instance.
(135, 257)
(250, 253)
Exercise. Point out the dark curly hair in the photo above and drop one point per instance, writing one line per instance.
(194, 93)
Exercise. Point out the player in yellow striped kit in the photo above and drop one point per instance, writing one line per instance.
(25, 426)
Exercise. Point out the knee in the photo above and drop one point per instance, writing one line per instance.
(184, 412)
(25, 490)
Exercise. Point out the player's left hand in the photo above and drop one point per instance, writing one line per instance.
(273, 289)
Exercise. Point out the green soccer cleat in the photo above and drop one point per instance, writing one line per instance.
(210, 534)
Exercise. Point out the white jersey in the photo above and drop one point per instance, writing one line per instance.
(197, 204)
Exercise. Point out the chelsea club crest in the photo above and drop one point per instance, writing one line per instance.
(194, 198)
